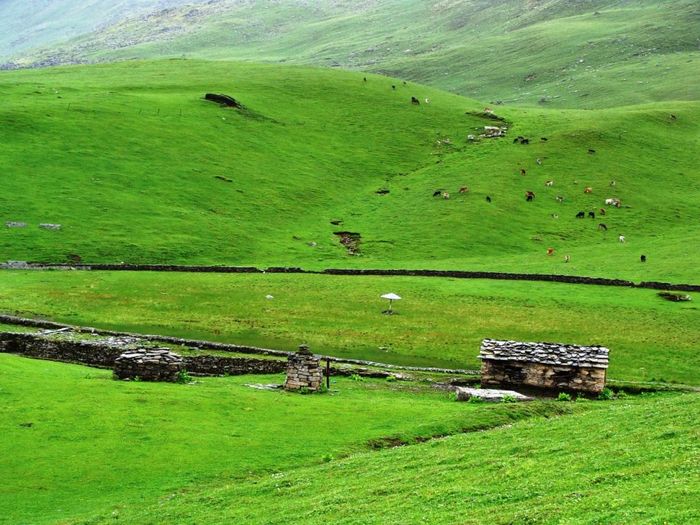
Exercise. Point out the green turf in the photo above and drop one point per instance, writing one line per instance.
(75, 442)
(125, 157)
(600, 53)
(441, 322)
(629, 462)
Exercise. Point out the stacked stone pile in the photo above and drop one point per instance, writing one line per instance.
(304, 371)
(545, 353)
(149, 364)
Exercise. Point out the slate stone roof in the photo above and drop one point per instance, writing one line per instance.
(545, 353)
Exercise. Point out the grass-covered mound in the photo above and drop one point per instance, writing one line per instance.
(623, 462)
(440, 322)
(75, 442)
(136, 167)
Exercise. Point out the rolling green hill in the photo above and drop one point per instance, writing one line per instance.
(595, 53)
(136, 167)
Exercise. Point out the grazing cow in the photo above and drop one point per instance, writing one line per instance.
(538, 161)
(643, 258)
(427, 101)
(549, 183)
(488, 198)
(393, 87)
(621, 238)
(613, 183)
(471, 138)
(613, 202)
(522, 171)
(525, 141)
(581, 215)
(464, 189)
(673, 117)
(437, 193)
(567, 258)
(587, 189)
(603, 227)
(555, 215)
(415, 101)
(591, 215)
(529, 195)
(550, 251)
(560, 198)
(602, 211)
(446, 196)
(543, 139)
(591, 151)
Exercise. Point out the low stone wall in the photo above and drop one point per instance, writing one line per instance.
(458, 274)
(211, 365)
(103, 355)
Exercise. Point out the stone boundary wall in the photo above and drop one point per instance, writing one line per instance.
(223, 347)
(457, 274)
(103, 355)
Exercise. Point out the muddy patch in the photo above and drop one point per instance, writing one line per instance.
(351, 241)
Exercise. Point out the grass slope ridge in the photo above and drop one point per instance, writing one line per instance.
(597, 53)
(136, 167)
(627, 462)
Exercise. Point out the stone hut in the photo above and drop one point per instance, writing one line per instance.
(550, 366)
(149, 364)
(304, 371)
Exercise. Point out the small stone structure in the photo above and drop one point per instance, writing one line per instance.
(149, 364)
(550, 366)
(304, 371)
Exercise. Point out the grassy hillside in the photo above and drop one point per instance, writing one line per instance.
(630, 462)
(136, 167)
(597, 53)
(27, 24)
(76, 443)
(441, 322)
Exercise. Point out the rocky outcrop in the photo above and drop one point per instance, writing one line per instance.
(489, 395)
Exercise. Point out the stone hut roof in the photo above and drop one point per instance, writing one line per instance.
(545, 353)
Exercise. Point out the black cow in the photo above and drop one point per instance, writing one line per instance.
(603, 227)
(437, 193)
(415, 101)
(591, 151)
(591, 215)
(643, 258)
(488, 199)
(581, 215)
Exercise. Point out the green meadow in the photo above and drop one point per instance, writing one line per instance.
(75, 442)
(440, 322)
(136, 167)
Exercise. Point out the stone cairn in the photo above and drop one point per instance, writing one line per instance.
(149, 364)
(304, 371)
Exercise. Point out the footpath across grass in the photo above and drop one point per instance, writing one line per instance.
(74, 442)
(440, 322)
